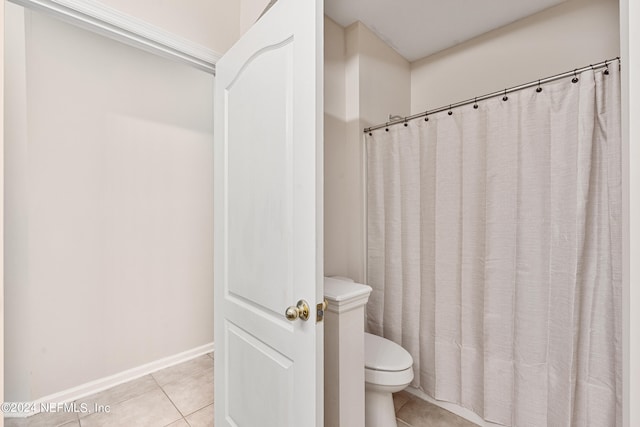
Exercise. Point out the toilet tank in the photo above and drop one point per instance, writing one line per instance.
(344, 352)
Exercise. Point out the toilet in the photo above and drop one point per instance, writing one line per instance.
(387, 369)
(387, 366)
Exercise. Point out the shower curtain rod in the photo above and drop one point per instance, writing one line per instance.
(503, 92)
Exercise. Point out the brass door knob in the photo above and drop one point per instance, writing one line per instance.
(301, 310)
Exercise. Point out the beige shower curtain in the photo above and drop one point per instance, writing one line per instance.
(494, 252)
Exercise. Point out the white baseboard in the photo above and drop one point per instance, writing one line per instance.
(452, 407)
(92, 387)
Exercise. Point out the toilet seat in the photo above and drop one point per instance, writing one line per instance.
(385, 362)
(381, 354)
(385, 378)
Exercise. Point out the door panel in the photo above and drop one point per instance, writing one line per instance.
(269, 396)
(263, 187)
(268, 221)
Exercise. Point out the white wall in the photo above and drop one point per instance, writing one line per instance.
(250, 11)
(109, 207)
(335, 162)
(214, 24)
(384, 78)
(365, 80)
(571, 35)
(383, 88)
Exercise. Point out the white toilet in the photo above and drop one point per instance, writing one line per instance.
(387, 366)
(387, 369)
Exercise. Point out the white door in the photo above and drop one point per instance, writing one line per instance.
(268, 221)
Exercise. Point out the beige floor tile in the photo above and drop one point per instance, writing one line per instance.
(400, 399)
(43, 419)
(152, 409)
(182, 370)
(419, 413)
(119, 394)
(15, 422)
(402, 423)
(190, 394)
(202, 418)
(180, 423)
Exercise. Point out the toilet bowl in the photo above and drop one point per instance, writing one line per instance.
(388, 369)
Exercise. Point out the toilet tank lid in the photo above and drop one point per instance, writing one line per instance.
(341, 290)
(381, 354)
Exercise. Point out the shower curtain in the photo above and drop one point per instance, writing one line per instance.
(494, 252)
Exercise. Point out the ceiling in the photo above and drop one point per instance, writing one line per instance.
(419, 28)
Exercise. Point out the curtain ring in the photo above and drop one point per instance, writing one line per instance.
(505, 97)
(405, 122)
(426, 116)
(450, 112)
(606, 71)
(475, 103)
(575, 77)
(538, 89)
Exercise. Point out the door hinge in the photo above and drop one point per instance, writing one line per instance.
(320, 308)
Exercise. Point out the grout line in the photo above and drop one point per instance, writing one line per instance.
(173, 403)
(113, 404)
(192, 374)
(79, 419)
(422, 403)
(199, 409)
(409, 398)
(156, 381)
(183, 419)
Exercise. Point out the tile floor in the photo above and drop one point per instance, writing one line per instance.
(411, 411)
(178, 396)
(182, 396)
